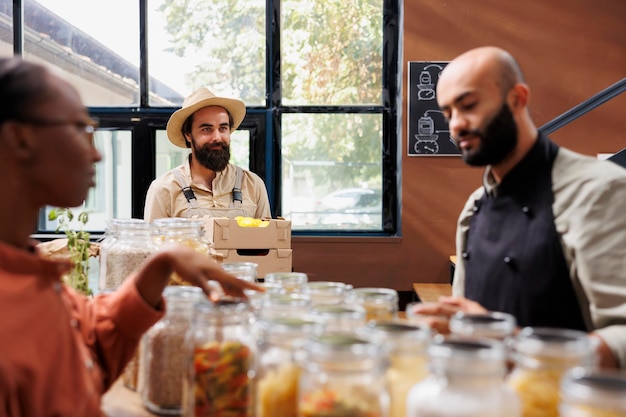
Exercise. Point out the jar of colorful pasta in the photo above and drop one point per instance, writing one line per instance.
(278, 341)
(342, 376)
(221, 353)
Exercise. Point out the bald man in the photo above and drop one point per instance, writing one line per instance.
(544, 237)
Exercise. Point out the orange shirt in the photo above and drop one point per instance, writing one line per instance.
(59, 350)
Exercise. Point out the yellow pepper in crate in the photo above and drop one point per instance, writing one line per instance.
(251, 222)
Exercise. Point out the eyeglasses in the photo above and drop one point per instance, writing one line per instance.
(88, 127)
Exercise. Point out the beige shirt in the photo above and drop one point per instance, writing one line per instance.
(590, 217)
(165, 197)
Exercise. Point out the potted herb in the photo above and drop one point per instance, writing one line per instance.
(78, 245)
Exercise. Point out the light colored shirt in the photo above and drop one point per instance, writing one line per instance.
(165, 197)
(59, 350)
(590, 217)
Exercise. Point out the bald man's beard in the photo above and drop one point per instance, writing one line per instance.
(497, 139)
(213, 159)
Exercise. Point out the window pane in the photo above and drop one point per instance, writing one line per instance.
(332, 171)
(111, 197)
(331, 52)
(170, 156)
(219, 44)
(6, 27)
(93, 43)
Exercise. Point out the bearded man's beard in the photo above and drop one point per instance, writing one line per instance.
(213, 159)
(497, 139)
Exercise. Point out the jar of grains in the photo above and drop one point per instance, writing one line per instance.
(134, 242)
(342, 375)
(407, 344)
(221, 353)
(110, 236)
(593, 393)
(542, 356)
(466, 379)
(278, 374)
(162, 354)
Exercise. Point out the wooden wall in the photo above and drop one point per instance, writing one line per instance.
(568, 49)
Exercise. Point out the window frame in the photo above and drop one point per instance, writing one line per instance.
(264, 122)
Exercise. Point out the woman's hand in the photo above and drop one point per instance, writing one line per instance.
(193, 267)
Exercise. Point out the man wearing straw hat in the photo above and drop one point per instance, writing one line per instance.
(206, 183)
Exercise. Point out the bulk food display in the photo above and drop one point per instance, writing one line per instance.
(221, 355)
(162, 354)
(278, 373)
(342, 376)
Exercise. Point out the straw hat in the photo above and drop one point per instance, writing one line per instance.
(202, 97)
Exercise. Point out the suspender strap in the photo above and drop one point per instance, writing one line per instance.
(237, 197)
(184, 185)
(191, 197)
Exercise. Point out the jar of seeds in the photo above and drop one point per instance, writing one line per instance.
(163, 358)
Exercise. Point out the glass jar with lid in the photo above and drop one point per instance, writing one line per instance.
(284, 304)
(182, 231)
(342, 376)
(326, 292)
(340, 317)
(491, 325)
(466, 379)
(288, 281)
(406, 344)
(109, 237)
(542, 356)
(277, 373)
(589, 392)
(379, 303)
(242, 270)
(134, 242)
(162, 353)
(221, 354)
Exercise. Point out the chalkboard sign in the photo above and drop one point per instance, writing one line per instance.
(428, 132)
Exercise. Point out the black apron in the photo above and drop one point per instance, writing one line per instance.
(513, 260)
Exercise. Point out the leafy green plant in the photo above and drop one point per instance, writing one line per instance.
(78, 244)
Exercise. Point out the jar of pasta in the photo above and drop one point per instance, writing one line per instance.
(407, 344)
(466, 379)
(593, 393)
(379, 303)
(342, 376)
(542, 356)
(221, 353)
(162, 352)
(278, 374)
